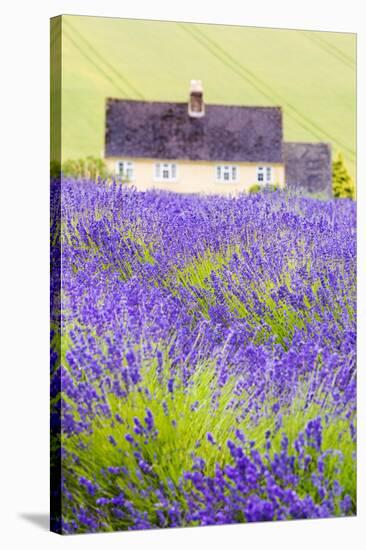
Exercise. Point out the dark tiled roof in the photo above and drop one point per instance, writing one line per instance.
(166, 131)
(308, 166)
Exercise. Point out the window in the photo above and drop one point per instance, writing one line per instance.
(124, 168)
(264, 174)
(226, 173)
(268, 174)
(166, 171)
(260, 174)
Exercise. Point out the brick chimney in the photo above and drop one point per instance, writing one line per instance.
(196, 106)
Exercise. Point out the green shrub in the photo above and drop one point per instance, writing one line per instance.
(271, 187)
(343, 184)
(89, 168)
(254, 188)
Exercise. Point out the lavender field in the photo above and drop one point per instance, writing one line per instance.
(206, 368)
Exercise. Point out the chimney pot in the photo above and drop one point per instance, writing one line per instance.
(196, 106)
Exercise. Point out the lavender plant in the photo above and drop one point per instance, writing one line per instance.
(207, 366)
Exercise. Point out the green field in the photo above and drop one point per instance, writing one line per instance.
(312, 75)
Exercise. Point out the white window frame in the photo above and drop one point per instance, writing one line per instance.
(226, 173)
(128, 168)
(166, 171)
(267, 173)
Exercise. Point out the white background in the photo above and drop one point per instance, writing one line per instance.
(24, 119)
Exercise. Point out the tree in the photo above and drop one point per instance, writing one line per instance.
(88, 168)
(343, 184)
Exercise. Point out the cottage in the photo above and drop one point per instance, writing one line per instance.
(195, 147)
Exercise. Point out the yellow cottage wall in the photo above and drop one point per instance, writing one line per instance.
(197, 176)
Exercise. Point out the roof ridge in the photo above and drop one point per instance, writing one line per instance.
(130, 100)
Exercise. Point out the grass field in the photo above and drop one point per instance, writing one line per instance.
(310, 74)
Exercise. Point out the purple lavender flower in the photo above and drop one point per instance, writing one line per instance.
(171, 385)
(272, 312)
(210, 438)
